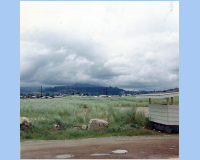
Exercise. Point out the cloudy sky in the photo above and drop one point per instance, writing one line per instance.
(131, 45)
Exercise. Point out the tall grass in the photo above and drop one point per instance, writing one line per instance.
(76, 111)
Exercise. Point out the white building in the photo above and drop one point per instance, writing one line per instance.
(164, 117)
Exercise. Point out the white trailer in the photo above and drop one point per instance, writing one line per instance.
(165, 116)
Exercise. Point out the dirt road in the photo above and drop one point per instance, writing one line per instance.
(138, 147)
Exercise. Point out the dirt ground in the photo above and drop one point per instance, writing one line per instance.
(164, 146)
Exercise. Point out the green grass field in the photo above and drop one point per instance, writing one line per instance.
(76, 111)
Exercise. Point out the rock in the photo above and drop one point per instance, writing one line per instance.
(97, 124)
(58, 127)
(64, 156)
(100, 154)
(84, 127)
(77, 127)
(120, 151)
(25, 123)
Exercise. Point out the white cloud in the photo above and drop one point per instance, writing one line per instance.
(127, 42)
(61, 50)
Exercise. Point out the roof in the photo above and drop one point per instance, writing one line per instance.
(159, 95)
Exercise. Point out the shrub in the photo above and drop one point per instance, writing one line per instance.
(140, 119)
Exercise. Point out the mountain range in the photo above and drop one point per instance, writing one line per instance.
(79, 88)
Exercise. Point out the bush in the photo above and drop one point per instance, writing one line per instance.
(25, 135)
(141, 121)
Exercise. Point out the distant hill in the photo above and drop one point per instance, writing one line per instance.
(86, 89)
(29, 90)
(78, 88)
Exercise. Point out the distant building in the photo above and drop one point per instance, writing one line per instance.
(103, 96)
(57, 96)
(33, 97)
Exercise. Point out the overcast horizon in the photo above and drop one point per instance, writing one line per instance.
(125, 44)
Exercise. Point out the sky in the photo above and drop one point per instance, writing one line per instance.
(132, 45)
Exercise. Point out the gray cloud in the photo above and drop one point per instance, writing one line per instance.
(130, 45)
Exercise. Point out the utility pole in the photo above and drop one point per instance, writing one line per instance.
(106, 90)
(41, 91)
